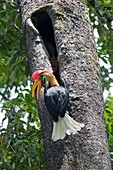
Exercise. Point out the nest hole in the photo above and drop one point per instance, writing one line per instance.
(43, 24)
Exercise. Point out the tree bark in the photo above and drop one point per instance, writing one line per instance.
(59, 37)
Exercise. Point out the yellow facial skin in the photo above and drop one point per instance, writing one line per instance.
(50, 78)
(38, 82)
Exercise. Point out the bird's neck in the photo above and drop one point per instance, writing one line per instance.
(52, 80)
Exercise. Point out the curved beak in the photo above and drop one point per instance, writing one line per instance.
(38, 82)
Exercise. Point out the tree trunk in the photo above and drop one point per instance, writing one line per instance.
(59, 37)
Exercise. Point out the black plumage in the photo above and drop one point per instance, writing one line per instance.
(56, 100)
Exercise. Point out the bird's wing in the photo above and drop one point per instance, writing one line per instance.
(56, 101)
(52, 107)
(64, 100)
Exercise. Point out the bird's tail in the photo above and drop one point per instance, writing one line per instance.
(65, 125)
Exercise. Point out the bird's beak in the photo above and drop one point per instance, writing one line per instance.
(38, 82)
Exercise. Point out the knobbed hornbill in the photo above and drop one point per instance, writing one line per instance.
(56, 100)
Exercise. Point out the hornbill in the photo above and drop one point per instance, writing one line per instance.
(56, 99)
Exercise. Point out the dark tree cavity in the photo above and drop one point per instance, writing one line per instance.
(43, 24)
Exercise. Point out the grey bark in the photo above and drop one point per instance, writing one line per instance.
(76, 62)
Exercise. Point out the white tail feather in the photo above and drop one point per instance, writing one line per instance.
(65, 125)
(58, 130)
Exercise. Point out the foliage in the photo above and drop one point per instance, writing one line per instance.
(101, 15)
(21, 144)
(109, 123)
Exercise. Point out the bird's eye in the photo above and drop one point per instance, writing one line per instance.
(41, 75)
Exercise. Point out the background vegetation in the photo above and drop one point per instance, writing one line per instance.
(21, 144)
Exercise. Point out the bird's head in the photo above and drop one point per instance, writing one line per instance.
(38, 78)
(42, 74)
